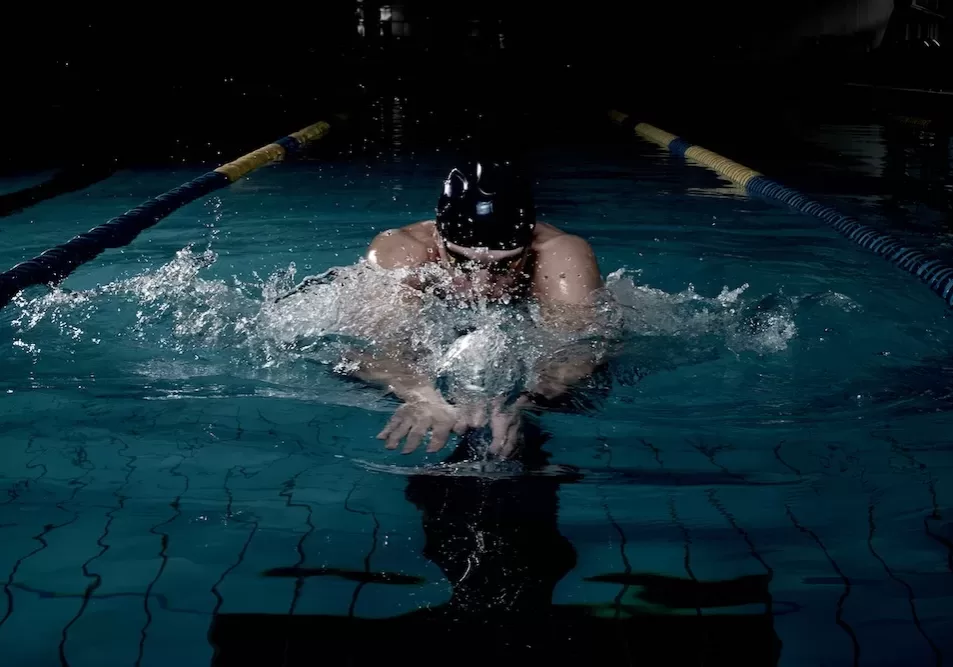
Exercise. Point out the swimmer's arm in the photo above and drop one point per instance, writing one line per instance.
(565, 278)
(390, 369)
(561, 372)
(566, 281)
(396, 375)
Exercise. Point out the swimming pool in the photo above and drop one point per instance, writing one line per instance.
(768, 478)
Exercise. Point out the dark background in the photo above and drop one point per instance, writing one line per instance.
(151, 84)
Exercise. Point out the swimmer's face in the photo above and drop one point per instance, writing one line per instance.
(490, 274)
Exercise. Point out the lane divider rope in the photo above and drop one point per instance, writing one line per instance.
(934, 272)
(53, 265)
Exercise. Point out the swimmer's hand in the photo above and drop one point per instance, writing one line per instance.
(506, 425)
(424, 413)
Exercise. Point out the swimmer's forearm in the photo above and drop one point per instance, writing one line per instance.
(569, 366)
(397, 377)
(558, 376)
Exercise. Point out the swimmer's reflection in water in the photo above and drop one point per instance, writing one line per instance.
(496, 540)
(486, 239)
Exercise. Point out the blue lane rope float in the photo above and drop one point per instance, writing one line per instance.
(935, 273)
(53, 265)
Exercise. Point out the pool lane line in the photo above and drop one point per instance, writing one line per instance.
(69, 179)
(934, 272)
(53, 265)
(922, 91)
(921, 123)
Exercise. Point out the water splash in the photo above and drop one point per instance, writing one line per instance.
(255, 327)
(765, 326)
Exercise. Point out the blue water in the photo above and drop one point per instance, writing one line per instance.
(767, 477)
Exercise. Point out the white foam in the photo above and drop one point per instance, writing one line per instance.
(480, 347)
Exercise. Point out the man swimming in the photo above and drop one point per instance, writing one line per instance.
(486, 238)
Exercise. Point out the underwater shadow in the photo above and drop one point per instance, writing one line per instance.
(496, 539)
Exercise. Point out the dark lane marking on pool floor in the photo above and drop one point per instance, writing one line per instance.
(839, 614)
(78, 485)
(936, 517)
(97, 579)
(287, 492)
(370, 553)
(872, 527)
(163, 551)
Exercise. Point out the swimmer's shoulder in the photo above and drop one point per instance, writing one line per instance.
(565, 267)
(404, 247)
(543, 233)
(548, 239)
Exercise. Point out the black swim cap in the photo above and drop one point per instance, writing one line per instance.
(487, 205)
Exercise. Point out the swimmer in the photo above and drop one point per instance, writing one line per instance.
(486, 237)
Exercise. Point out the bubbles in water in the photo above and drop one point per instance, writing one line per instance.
(29, 348)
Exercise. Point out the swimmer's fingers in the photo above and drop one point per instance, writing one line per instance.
(456, 421)
(478, 416)
(398, 432)
(507, 430)
(469, 416)
(511, 441)
(500, 429)
(417, 432)
(393, 423)
(439, 436)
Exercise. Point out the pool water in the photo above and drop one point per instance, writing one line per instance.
(765, 477)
